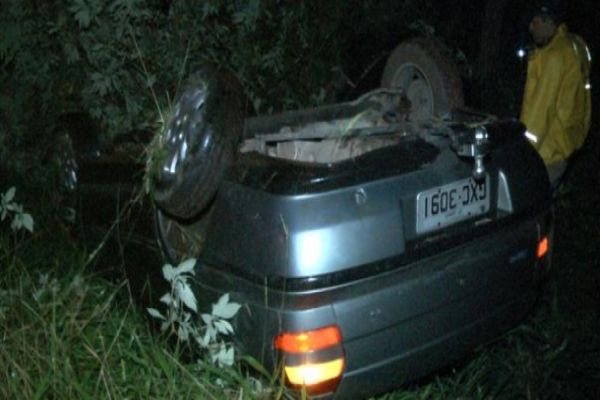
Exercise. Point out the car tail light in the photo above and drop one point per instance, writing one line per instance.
(309, 341)
(543, 246)
(313, 359)
(313, 374)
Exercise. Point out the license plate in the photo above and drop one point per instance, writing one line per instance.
(448, 204)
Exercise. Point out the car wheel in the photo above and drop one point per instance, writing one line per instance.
(180, 240)
(428, 76)
(198, 143)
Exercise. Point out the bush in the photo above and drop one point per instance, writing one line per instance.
(104, 58)
(120, 63)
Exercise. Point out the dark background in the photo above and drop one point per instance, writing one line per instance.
(488, 33)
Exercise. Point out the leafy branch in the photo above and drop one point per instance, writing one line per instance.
(205, 334)
(9, 209)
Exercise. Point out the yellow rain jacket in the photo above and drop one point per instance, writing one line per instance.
(557, 100)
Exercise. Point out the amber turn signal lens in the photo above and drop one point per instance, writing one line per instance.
(309, 341)
(543, 247)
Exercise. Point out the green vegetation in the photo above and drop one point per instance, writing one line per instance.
(111, 67)
(106, 58)
(67, 333)
(107, 68)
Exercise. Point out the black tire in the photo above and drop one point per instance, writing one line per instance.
(180, 240)
(199, 143)
(430, 79)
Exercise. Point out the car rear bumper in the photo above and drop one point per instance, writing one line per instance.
(400, 325)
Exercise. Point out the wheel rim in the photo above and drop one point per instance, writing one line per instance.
(179, 138)
(67, 164)
(70, 175)
(417, 87)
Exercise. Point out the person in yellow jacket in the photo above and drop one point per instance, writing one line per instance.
(556, 106)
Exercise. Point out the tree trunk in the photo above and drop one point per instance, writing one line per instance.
(491, 38)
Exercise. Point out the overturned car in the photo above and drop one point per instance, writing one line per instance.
(372, 241)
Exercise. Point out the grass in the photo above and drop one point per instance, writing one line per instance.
(67, 332)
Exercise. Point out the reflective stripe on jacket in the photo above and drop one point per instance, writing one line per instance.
(557, 100)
